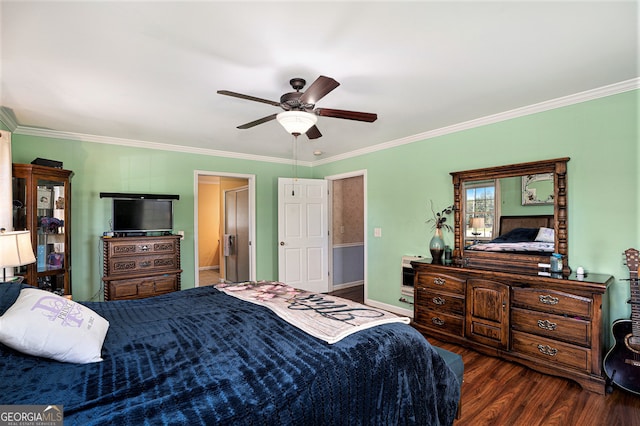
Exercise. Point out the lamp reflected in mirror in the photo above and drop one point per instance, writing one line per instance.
(476, 223)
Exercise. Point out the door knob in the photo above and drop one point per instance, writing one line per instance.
(281, 243)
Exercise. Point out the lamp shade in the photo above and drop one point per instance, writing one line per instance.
(15, 249)
(297, 122)
(476, 222)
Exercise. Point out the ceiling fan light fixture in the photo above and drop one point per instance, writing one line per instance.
(297, 122)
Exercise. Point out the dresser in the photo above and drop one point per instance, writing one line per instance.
(139, 267)
(551, 325)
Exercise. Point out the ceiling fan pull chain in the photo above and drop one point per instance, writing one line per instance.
(295, 163)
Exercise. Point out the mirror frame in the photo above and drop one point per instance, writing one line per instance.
(511, 262)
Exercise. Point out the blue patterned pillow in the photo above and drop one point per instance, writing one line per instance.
(9, 292)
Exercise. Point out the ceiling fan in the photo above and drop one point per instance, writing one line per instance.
(300, 113)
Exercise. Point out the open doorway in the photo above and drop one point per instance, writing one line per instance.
(347, 245)
(224, 227)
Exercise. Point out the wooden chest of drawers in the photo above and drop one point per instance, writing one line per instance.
(552, 325)
(138, 267)
(441, 306)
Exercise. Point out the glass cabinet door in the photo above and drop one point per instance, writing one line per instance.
(50, 231)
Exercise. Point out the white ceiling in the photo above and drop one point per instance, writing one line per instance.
(149, 71)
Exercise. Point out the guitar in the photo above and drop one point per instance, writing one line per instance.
(622, 363)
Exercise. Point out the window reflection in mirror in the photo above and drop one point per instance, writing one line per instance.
(480, 203)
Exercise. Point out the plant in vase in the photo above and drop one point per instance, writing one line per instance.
(436, 245)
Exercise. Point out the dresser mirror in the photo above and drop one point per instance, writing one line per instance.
(501, 223)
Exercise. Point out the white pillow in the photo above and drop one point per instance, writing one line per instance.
(546, 235)
(44, 324)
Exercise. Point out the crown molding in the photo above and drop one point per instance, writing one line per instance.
(609, 90)
(132, 143)
(588, 95)
(7, 118)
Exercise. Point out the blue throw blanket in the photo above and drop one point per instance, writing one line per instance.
(200, 356)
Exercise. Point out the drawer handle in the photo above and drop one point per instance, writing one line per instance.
(145, 264)
(145, 248)
(548, 300)
(437, 321)
(547, 350)
(439, 300)
(547, 325)
(439, 281)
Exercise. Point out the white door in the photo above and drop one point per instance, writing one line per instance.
(303, 234)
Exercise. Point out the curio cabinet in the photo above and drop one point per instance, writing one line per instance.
(42, 205)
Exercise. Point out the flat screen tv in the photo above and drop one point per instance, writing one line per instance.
(142, 215)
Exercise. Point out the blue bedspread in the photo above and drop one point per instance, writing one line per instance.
(201, 357)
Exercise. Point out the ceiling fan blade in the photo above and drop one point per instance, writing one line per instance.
(247, 97)
(258, 121)
(349, 115)
(318, 89)
(313, 133)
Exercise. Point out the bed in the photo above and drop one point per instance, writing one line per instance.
(202, 356)
(521, 234)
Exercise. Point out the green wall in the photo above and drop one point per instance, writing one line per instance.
(600, 136)
(111, 168)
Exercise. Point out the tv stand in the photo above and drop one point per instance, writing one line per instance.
(140, 266)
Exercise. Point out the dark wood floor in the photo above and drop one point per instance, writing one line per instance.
(355, 293)
(497, 392)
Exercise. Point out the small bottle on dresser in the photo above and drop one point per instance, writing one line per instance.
(556, 262)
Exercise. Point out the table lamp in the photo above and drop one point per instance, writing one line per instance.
(475, 223)
(15, 250)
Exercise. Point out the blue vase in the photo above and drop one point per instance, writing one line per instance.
(436, 247)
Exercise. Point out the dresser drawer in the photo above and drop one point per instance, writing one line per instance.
(141, 264)
(552, 301)
(142, 287)
(138, 247)
(441, 302)
(570, 330)
(551, 351)
(440, 282)
(451, 324)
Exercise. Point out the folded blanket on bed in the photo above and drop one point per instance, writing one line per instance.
(326, 317)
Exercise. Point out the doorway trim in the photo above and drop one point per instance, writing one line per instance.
(251, 183)
(332, 178)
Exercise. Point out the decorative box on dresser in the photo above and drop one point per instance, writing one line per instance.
(139, 267)
(550, 324)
